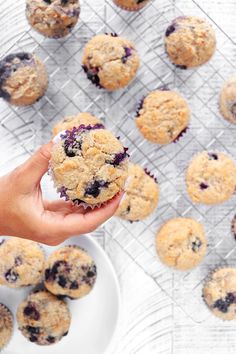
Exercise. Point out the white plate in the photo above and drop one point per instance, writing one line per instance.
(94, 317)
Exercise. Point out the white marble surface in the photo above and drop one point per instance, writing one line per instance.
(162, 310)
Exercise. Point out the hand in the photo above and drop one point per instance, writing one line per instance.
(24, 213)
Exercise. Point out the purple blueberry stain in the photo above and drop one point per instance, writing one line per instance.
(119, 158)
(33, 338)
(212, 156)
(63, 192)
(33, 330)
(31, 312)
(92, 75)
(203, 186)
(74, 285)
(128, 53)
(224, 303)
(95, 187)
(62, 281)
(171, 29)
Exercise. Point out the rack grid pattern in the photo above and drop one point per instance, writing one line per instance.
(173, 296)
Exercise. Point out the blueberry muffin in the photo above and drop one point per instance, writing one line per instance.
(70, 122)
(131, 5)
(43, 318)
(70, 271)
(6, 326)
(190, 42)
(163, 116)
(181, 243)
(23, 79)
(53, 18)
(219, 293)
(228, 100)
(89, 165)
(141, 195)
(110, 61)
(21, 262)
(211, 178)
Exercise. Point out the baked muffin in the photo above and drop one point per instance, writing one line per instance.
(6, 325)
(190, 42)
(228, 100)
(163, 116)
(21, 262)
(141, 195)
(89, 165)
(110, 61)
(181, 243)
(219, 293)
(43, 319)
(23, 79)
(53, 18)
(70, 122)
(211, 178)
(131, 5)
(70, 271)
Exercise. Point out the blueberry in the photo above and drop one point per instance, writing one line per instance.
(33, 338)
(170, 30)
(2, 242)
(128, 209)
(233, 109)
(62, 281)
(92, 75)
(65, 334)
(212, 156)
(58, 264)
(64, 2)
(11, 276)
(74, 285)
(18, 261)
(119, 157)
(230, 298)
(48, 1)
(47, 274)
(51, 339)
(221, 305)
(182, 67)
(139, 1)
(203, 186)
(128, 53)
(94, 188)
(140, 106)
(30, 311)
(195, 245)
(33, 330)
(72, 148)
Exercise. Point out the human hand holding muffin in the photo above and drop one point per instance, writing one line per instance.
(24, 213)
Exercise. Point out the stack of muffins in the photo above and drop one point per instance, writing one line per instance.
(89, 165)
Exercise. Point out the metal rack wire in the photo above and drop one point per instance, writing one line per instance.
(172, 297)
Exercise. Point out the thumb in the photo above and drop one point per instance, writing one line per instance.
(37, 165)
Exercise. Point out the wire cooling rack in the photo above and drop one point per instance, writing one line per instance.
(163, 309)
